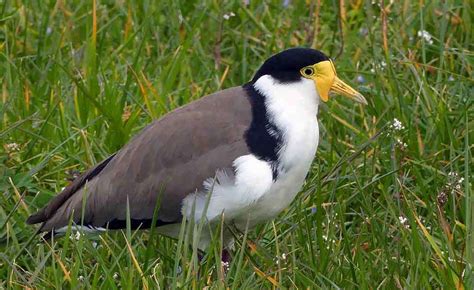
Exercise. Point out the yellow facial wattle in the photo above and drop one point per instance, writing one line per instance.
(324, 76)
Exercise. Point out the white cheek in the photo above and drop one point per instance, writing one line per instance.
(285, 99)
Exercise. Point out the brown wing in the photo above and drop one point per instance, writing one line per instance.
(170, 158)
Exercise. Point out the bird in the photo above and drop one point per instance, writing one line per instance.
(238, 156)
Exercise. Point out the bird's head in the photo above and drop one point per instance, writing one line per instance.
(295, 64)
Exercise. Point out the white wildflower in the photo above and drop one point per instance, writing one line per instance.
(75, 236)
(278, 258)
(396, 125)
(401, 144)
(404, 221)
(225, 266)
(80, 278)
(454, 182)
(378, 66)
(451, 79)
(115, 276)
(453, 174)
(397, 259)
(12, 147)
(94, 244)
(228, 16)
(426, 36)
(49, 30)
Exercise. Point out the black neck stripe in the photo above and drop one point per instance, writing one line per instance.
(263, 137)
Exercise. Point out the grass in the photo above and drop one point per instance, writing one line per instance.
(379, 208)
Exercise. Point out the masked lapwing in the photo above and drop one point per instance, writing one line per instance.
(241, 154)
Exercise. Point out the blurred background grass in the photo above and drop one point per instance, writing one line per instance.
(79, 78)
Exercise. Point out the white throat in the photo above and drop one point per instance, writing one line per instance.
(293, 108)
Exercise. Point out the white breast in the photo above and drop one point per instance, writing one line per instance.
(293, 108)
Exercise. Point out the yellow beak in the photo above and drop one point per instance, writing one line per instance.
(344, 89)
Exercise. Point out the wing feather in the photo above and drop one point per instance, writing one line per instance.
(171, 158)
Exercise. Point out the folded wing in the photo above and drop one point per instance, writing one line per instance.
(167, 161)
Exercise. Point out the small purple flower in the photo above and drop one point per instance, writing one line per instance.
(360, 79)
(363, 31)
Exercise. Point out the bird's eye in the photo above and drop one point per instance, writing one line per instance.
(307, 72)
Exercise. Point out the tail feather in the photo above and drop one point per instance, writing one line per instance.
(49, 210)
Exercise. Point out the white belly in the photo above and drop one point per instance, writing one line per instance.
(279, 197)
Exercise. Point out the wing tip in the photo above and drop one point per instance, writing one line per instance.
(36, 218)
